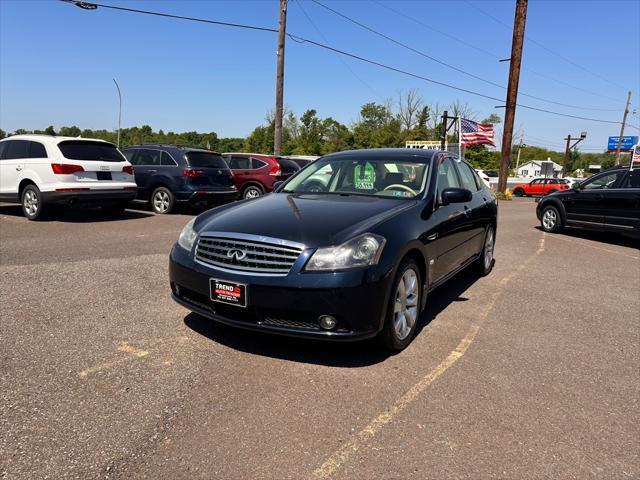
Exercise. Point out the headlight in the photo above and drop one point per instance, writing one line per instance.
(361, 251)
(188, 236)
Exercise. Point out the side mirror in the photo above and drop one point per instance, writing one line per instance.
(576, 186)
(456, 195)
(277, 185)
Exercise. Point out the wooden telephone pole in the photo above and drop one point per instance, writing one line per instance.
(512, 91)
(282, 34)
(624, 121)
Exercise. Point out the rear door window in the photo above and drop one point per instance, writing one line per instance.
(632, 180)
(148, 158)
(16, 149)
(37, 150)
(468, 177)
(240, 163)
(206, 160)
(90, 150)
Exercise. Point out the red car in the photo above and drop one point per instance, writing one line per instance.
(254, 174)
(540, 186)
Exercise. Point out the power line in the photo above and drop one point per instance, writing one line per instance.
(300, 39)
(535, 42)
(495, 56)
(377, 94)
(441, 62)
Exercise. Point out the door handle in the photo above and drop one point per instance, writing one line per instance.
(152, 171)
(19, 167)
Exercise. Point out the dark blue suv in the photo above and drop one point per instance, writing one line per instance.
(168, 174)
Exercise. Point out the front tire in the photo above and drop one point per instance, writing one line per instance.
(550, 220)
(31, 201)
(484, 264)
(162, 200)
(404, 307)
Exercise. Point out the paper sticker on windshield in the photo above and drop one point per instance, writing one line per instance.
(365, 176)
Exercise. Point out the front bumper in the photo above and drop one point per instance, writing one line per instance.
(90, 197)
(287, 305)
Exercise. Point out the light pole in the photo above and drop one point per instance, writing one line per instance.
(119, 110)
(570, 147)
(518, 159)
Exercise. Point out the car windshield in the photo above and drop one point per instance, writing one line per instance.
(361, 176)
(205, 159)
(88, 150)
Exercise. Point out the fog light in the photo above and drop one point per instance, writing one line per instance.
(327, 322)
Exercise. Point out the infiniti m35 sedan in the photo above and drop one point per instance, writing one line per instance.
(354, 259)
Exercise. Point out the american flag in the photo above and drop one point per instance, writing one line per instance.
(473, 133)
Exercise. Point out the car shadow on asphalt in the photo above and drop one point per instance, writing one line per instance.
(76, 215)
(611, 238)
(331, 354)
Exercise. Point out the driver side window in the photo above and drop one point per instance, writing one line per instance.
(447, 177)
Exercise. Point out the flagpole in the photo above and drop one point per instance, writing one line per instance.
(459, 136)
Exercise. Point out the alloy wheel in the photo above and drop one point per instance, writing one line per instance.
(549, 219)
(488, 249)
(252, 192)
(161, 202)
(30, 202)
(405, 310)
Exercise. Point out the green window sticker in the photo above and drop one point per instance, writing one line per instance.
(365, 176)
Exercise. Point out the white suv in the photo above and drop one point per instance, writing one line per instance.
(42, 170)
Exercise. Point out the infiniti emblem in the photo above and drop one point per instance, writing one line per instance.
(236, 254)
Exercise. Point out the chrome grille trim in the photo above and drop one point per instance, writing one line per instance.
(262, 256)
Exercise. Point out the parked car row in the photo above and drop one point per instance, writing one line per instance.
(40, 171)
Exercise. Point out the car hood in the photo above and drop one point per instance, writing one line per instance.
(311, 219)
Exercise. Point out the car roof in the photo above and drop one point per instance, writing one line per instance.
(168, 145)
(397, 153)
(51, 139)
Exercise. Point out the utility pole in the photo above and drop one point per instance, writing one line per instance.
(624, 121)
(568, 149)
(282, 34)
(445, 128)
(512, 91)
(443, 131)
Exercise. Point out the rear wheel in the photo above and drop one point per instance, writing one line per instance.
(551, 221)
(31, 201)
(518, 192)
(404, 307)
(252, 191)
(162, 200)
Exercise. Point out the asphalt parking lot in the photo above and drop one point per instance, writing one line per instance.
(531, 372)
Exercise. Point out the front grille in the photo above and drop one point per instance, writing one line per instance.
(252, 256)
(288, 322)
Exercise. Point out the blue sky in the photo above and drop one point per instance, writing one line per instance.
(57, 63)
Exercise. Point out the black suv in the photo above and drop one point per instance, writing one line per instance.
(608, 201)
(166, 174)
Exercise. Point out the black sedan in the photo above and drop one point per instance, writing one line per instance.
(354, 260)
(608, 201)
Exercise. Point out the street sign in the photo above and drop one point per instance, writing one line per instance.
(628, 141)
(635, 155)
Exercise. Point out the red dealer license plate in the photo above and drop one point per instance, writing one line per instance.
(230, 293)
